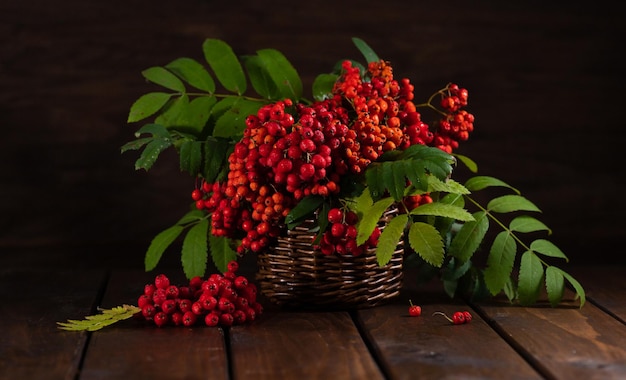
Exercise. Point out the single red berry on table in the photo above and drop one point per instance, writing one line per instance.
(468, 316)
(458, 318)
(414, 310)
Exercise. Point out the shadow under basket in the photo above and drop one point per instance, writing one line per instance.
(294, 273)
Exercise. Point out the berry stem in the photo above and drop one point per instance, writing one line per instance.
(445, 316)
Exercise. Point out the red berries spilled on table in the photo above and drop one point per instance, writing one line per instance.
(414, 310)
(220, 300)
(458, 318)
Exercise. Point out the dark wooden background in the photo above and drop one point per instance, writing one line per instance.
(546, 85)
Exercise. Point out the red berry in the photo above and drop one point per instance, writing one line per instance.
(161, 319)
(161, 281)
(227, 319)
(212, 319)
(458, 318)
(143, 301)
(468, 316)
(414, 310)
(169, 306)
(189, 319)
(232, 266)
(335, 215)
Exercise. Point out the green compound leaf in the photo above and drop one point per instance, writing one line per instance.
(151, 153)
(147, 105)
(444, 210)
(500, 262)
(283, 74)
(171, 111)
(259, 77)
(225, 64)
(447, 186)
(215, 155)
(98, 321)
(159, 244)
(481, 182)
(370, 219)
(366, 50)
(526, 223)
(555, 285)
(192, 72)
(221, 252)
(165, 78)
(530, 277)
(156, 130)
(427, 242)
(547, 248)
(389, 238)
(135, 144)
(470, 236)
(510, 203)
(323, 86)
(194, 252)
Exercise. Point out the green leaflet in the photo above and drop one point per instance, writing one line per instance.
(526, 223)
(161, 76)
(389, 238)
(192, 72)
(481, 182)
(221, 252)
(366, 50)
(447, 186)
(225, 64)
(191, 157)
(259, 77)
(191, 216)
(468, 162)
(232, 122)
(186, 115)
(547, 248)
(323, 86)
(98, 321)
(510, 203)
(444, 210)
(283, 74)
(304, 209)
(194, 252)
(500, 262)
(580, 292)
(427, 242)
(468, 239)
(215, 155)
(529, 280)
(555, 285)
(147, 105)
(370, 219)
(159, 244)
(151, 153)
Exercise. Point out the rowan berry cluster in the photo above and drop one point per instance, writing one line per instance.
(220, 300)
(292, 150)
(341, 235)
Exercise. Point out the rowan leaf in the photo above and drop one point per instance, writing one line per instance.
(194, 252)
(526, 223)
(304, 209)
(547, 248)
(192, 72)
(215, 152)
(259, 77)
(163, 77)
(190, 155)
(580, 292)
(427, 242)
(468, 162)
(221, 252)
(510, 203)
(283, 74)
(389, 239)
(323, 85)
(366, 50)
(232, 122)
(555, 285)
(147, 105)
(99, 321)
(500, 262)
(529, 279)
(225, 65)
(159, 244)
(369, 219)
(444, 210)
(151, 153)
(481, 182)
(465, 243)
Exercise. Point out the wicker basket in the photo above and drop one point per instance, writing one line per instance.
(293, 273)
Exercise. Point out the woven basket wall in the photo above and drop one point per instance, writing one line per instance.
(293, 273)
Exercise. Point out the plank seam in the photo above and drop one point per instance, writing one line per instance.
(371, 347)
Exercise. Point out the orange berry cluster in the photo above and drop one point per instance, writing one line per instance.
(292, 150)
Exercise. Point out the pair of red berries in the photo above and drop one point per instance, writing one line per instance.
(458, 318)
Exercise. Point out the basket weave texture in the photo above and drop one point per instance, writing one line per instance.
(294, 273)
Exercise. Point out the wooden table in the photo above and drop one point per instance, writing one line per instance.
(502, 341)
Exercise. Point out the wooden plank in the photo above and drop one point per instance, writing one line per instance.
(299, 345)
(132, 349)
(564, 342)
(605, 287)
(431, 347)
(32, 346)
